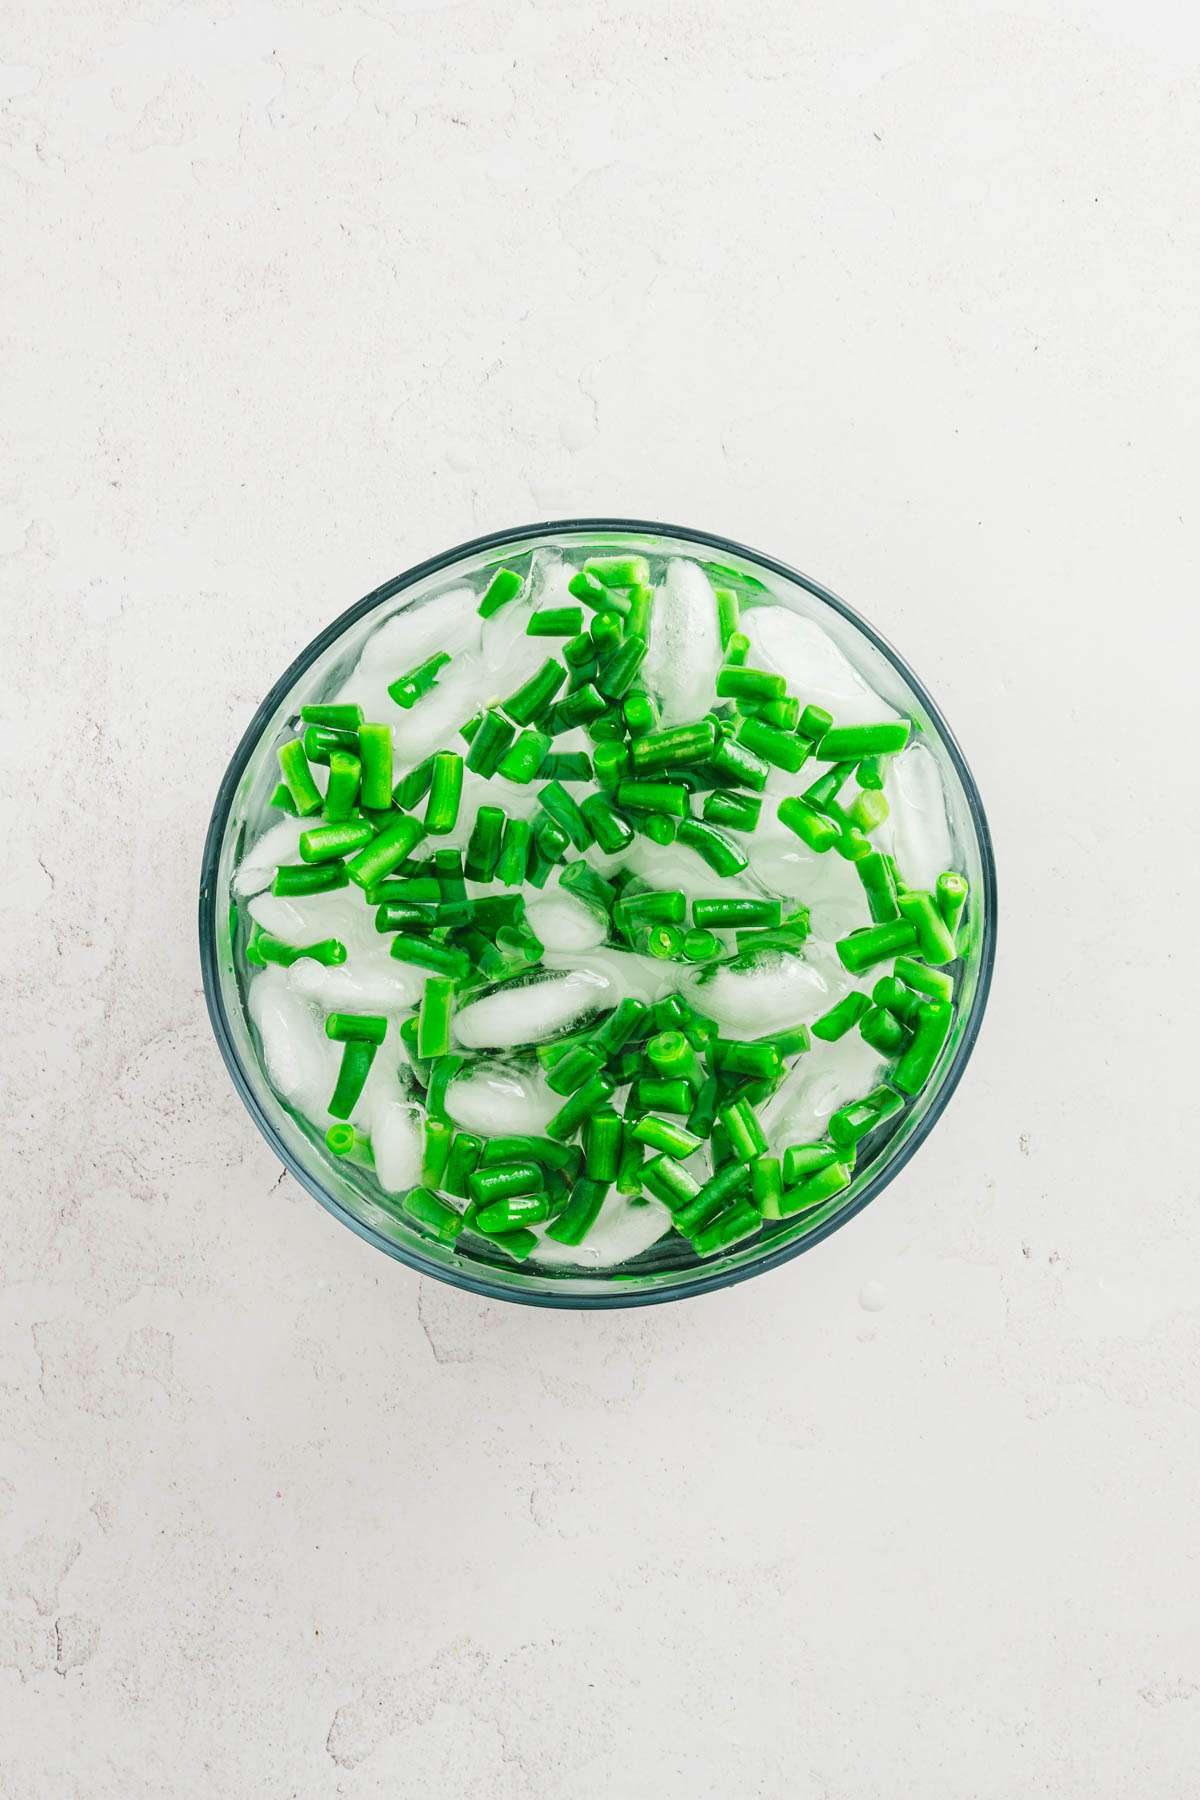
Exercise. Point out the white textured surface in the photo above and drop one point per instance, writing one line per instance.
(297, 294)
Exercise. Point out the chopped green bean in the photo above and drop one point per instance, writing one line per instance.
(534, 695)
(668, 797)
(445, 793)
(856, 741)
(433, 1020)
(309, 878)
(555, 621)
(504, 586)
(737, 812)
(522, 761)
(580, 1212)
(483, 845)
(369, 1028)
(385, 852)
(618, 571)
(441, 959)
(736, 910)
(418, 682)
(674, 746)
(935, 942)
(325, 842)
(933, 982)
(815, 1189)
(490, 743)
(929, 1038)
(297, 778)
(357, 1056)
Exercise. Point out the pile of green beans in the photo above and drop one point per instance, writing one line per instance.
(654, 1100)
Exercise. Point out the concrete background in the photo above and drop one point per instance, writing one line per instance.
(296, 294)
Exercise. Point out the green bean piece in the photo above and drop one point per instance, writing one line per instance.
(783, 713)
(822, 794)
(658, 1094)
(399, 915)
(800, 1160)
(641, 612)
(576, 1066)
(668, 797)
(729, 1228)
(490, 743)
(605, 633)
(935, 943)
(667, 1180)
(309, 878)
(433, 1020)
(412, 788)
(629, 1175)
(662, 941)
(504, 586)
(424, 953)
(565, 812)
(385, 852)
(419, 889)
(670, 1055)
(578, 708)
(433, 1214)
(550, 842)
(483, 845)
(602, 1138)
(870, 772)
(814, 722)
(874, 871)
(492, 1182)
(746, 1137)
(815, 1189)
(934, 983)
(781, 748)
(929, 1038)
(861, 950)
(656, 906)
(565, 765)
(344, 1028)
(324, 843)
(841, 1018)
(663, 1134)
(570, 1117)
(737, 812)
(853, 1121)
(335, 718)
(320, 742)
(611, 762)
(703, 1114)
(736, 911)
(619, 668)
(611, 832)
(265, 948)
(766, 1186)
(737, 649)
(738, 764)
(579, 653)
(584, 882)
(624, 1022)
(555, 621)
(619, 571)
(950, 896)
(728, 613)
(700, 946)
(282, 798)
(882, 1030)
(586, 587)
(418, 682)
(375, 755)
(357, 1056)
(465, 1152)
(445, 793)
(795, 1042)
(733, 1056)
(534, 695)
(579, 1215)
(297, 778)
(857, 741)
(716, 1194)
(435, 1152)
(898, 998)
(739, 682)
(722, 855)
(640, 714)
(524, 1148)
(352, 1145)
(868, 809)
(674, 746)
(341, 791)
(523, 760)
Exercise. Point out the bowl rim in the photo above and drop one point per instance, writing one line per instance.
(698, 1282)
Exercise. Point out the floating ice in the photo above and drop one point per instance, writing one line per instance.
(917, 831)
(622, 1230)
(448, 621)
(369, 981)
(494, 1100)
(278, 844)
(630, 977)
(301, 1062)
(829, 1076)
(300, 919)
(826, 885)
(816, 669)
(531, 1011)
(561, 922)
(776, 992)
(397, 1140)
(685, 643)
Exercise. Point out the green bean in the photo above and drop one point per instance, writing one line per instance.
(297, 778)
(375, 754)
(385, 852)
(534, 695)
(580, 1212)
(336, 718)
(490, 743)
(929, 1038)
(309, 878)
(418, 682)
(483, 845)
(368, 1028)
(504, 586)
(357, 1056)
(555, 621)
(445, 793)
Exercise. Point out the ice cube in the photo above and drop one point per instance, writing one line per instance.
(369, 981)
(301, 1062)
(675, 866)
(826, 885)
(307, 918)
(817, 670)
(622, 1230)
(562, 922)
(628, 975)
(685, 643)
(917, 831)
(777, 991)
(494, 1100)
(447, 621)
(280, 843)
(528, 1012)
(826, 1077)
(397, 1140)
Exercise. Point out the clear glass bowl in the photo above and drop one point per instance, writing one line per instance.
(667, 1271)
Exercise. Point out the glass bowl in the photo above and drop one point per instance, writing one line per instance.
(658, 1274)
